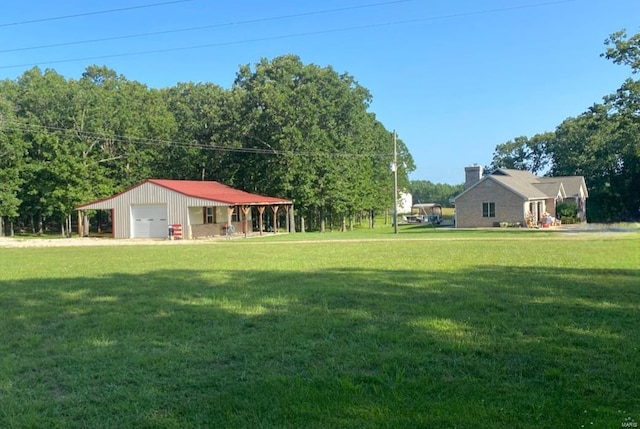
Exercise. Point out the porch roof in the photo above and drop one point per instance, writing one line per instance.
(216, 191)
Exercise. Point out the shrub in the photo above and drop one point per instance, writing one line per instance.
(566, 210)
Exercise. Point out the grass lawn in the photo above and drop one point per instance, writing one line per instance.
(475, 330)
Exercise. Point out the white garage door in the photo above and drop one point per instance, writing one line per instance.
(149, 221)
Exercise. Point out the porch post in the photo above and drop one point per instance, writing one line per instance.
(113, 224)
(230, 210)
(260, 220)
(275, 218)
(245, 220)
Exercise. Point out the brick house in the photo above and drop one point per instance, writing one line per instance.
(515, 197)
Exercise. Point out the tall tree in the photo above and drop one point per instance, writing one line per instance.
(523, 153)
(40, 105)
(86, 138)
(129, 126)
(12, 154)
(284, 128)
(624, 107)
(424, 191)
(306, 130)
(206, 117)
(602, 144)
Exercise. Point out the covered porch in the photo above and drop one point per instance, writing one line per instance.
(241, 219)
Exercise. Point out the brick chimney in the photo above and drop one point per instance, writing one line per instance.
(472, 175)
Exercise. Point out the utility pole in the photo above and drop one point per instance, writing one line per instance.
(395, 183)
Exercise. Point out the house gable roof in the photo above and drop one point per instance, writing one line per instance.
(572, 185)
(531, 187)
(520, 182)
(203, 190)
(551, 189)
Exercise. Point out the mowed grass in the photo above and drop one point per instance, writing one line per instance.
(526, 331)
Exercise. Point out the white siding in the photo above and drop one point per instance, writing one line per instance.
(405, 202)
(149, 194)
(195, 215)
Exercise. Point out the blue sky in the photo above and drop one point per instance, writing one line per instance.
(454, 78)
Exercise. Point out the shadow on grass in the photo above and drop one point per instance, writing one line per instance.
(488, 347)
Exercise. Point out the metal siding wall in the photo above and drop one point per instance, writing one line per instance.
(149, 193)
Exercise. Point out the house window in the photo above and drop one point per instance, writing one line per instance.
(488, 209)
(209, 215)
(235, 216)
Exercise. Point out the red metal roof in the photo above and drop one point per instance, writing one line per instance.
(216, 191)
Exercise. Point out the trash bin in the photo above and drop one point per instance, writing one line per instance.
(171, 232)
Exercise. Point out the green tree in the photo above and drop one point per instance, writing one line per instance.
(87, 138)
(307, 135)
(624, 109)
(602, 144)
(206, 118)
(624, 49)
(284, 128)
(523, 153)
(39, 106)
(129, 127)
(12, 153)
(424, 191)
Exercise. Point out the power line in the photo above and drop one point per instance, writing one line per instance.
(100, 12)
(288, 36)
(204, 27)
(26, 127)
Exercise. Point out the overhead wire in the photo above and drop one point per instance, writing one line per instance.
(294, 35)
(100, 12)
(202, 146)
(203, 27)
(27, 127)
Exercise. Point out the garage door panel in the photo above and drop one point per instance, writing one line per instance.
(149, 221)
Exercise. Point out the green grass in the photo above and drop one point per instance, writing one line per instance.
(413, 231)
(497, 329)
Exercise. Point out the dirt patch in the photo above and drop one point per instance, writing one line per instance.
(89, 241)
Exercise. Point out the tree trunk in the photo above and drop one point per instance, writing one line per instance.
(85, 223)
(1, 226)
(11, 230)
(344, 224)
(302, 224)
(292, 221)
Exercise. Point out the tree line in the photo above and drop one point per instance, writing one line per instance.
(602, 144)
(425, 191)
(284, 128)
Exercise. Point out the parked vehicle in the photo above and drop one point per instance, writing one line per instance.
(425, 213)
